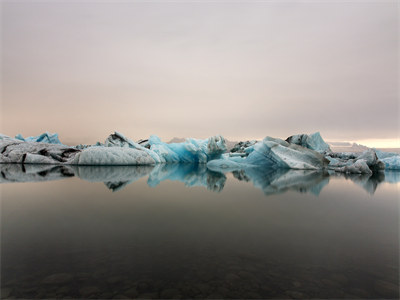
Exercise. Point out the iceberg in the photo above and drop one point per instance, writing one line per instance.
(44, 138)
(392, 163)
(366, 162)
(361, 163)
(301, 152)
(117, 150)
(17, 151)
(190, 151)
(112, 156)
(390, 159)
(272, 153)
(313, 141)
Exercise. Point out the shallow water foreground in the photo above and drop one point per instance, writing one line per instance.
(181, 231)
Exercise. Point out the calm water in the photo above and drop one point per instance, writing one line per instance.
(181, 231)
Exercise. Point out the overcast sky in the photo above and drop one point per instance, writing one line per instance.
(240, 69)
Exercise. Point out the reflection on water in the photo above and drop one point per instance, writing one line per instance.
(270, 181)
(315, 235)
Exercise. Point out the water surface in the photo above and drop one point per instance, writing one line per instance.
(181, 231)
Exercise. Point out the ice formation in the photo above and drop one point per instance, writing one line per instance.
(390, 159)
(18, 151)
(302, 152)
(365, 162)
(44, 138)
(272, 153)
(112, 156)
(117, 150)
(313, 141)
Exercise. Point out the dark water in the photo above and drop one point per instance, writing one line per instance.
(185, 232)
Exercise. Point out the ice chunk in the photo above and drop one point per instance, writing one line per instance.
(117, 139)
(382, 154)
(313, 141)
(392, 162)
(190, 151)
(242, 148)
(17, 151)
(273, 153)
(112, 156)
(359, 163)
(359, 167)
(44, 138)
(117, 150)
(390, 159)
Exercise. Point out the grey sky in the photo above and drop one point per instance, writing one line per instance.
(240, 69)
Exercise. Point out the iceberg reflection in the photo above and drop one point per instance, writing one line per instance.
(189, 174)
(270, 181)
(33, 173)
(369, 182)
(115, 177)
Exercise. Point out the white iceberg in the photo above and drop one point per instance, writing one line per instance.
(112, 156)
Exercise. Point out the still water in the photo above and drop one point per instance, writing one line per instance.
(181, 231)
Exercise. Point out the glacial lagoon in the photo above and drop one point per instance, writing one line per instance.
(183, 231)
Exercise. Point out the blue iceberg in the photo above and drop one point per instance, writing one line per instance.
(390, 159)
(43, 138)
